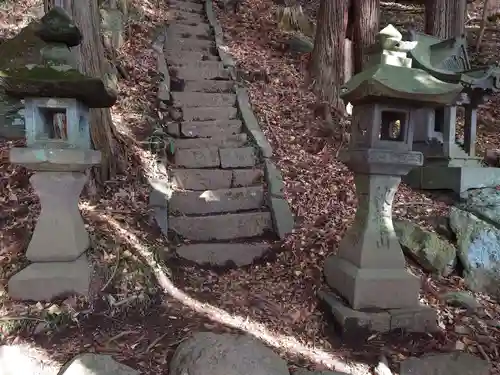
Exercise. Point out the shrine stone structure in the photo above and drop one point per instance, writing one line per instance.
(371, 290)
(451, 164)
(57, 100)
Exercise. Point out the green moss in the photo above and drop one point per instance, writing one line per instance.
(43, 73)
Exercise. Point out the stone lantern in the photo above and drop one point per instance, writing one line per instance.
(372, 290)
(57, 100)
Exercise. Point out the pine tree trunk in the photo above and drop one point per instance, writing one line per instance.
(366, 27)
(327, 59)
(445, 18)
(91, 61)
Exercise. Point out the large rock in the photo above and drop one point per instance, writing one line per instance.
(484, 203)
(212, 354)
(23, 360)
(444, 364)
(58, 27)
(95, 364)
(478, 251)
(426, 248)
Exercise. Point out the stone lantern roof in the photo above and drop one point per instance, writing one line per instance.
(448, 60)
(56, 76)
(390, 77)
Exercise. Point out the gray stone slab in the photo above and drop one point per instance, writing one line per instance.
(205, 129)
(241, 157)
(222, 227)
(187, 6)
(48, 280)
(197, 158)
(208, 86)
(188, 45)
(275, 183)
(201, 179)
(173, 128)
(199, 30)
(201, 99)
(283, 221)
(198, 64)
(209, 113)
(220, 254)
(456, 363)
(201, 71)
(247, 177)
(188, 18)
(95, 364)
(177, 58)
(217, 201)
(220, 141)
(26, 359)
(252, 124)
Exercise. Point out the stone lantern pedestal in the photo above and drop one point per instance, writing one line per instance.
(368, 270)
(56, 250)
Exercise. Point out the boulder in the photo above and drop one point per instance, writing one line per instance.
(95, 364)
(25, 360)
(484, 203)
(300, 44)
(432, 253)
(208, 353)
(461, 299)
(478, 251)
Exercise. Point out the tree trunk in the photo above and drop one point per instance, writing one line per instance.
(91, 61)
(365, 29)
(327, 59)
(445, 18)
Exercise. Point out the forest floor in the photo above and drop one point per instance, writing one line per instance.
(147, 301)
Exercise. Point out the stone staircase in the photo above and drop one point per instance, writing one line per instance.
(223, 196)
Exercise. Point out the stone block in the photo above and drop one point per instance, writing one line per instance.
(180, 57)
(181, 30)
(353, 323)
(282, 216)
(200, 71)
(418, 319)
(222, 227)
(275, 183)
(242, 157)
(174, 128)
(209, 113)
(221, 141)
(60, 233)
(205, 129)
(95, 364)
(222, 254)
(197, 158)
(201, 179)
(208, 86)
(456, 363)
(55, 159)
(189, 45)
(201, 99)
(188, 18)
(217, 201)
(46, 281)
(247, 177)
(186, 6)
(163, 92)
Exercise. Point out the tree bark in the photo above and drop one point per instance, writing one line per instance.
(327, 59)
(91, 61)
(365, 29)
(445, 18)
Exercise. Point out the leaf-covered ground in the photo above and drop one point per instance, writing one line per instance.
(146, 301)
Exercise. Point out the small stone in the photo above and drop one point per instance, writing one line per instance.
(462, 330)
(58, 27)
(93, 364)
(461, 299)
(459, 345)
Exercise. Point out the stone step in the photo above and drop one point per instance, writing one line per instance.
(206, 129)
(186, 6)
(242, 157)
(176, 58)
(198, 158)
(200, 70)
(209, 113)
(191, 202)
(222, 254)
(208, 179)
(202, 99)
(179, 30)
(197, 64)
(220, 141)
(188, 18)
(222, 227)
(189, 45)
(208, 86)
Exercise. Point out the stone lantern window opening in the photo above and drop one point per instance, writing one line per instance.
(393, 126)
(54, 124)
(439, 120)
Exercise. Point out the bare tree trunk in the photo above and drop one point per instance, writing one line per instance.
(366, 26)
(445, 18)
(327, 59)
(91, 61)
